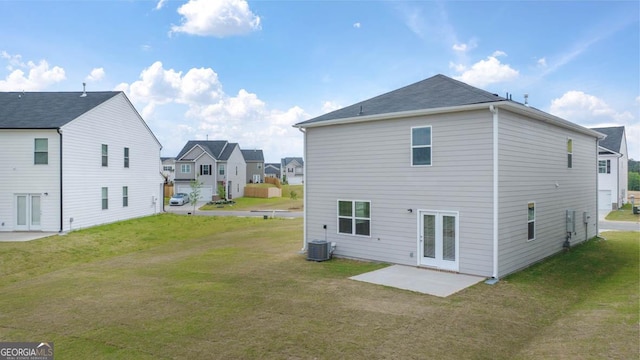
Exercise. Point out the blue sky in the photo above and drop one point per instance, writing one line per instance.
(246, 71)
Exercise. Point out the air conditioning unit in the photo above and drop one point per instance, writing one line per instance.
(318, 250)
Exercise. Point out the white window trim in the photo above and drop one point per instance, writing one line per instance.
(125, 195)
(411, 147)
(185, 166)
(103, 198)
(353, 217)
(35, 151)
(221, 167)
(535, 232)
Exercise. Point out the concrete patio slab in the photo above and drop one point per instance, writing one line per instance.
(19, 236)
(432, 282)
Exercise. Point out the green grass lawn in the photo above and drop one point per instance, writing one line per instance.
(286, 202)
(171, 286)
(625, 213)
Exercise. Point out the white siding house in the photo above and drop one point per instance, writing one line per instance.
(613, 172)
(292, 170)
(479, 184)
(73, 160)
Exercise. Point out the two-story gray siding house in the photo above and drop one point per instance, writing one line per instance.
(613, 171)
(255, 165)
(443, 175)
(70, 160)
(213, 163)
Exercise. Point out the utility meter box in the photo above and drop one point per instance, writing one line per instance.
(571, 221)
(585, 217)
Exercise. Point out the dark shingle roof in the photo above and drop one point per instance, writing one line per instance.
(435, 92)
(272, 168)
(285, 161)
(613, 141)
(46, 110)
(213, 147)
(253, 155)
(226, 153)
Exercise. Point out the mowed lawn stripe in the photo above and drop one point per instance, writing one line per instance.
(235, 288)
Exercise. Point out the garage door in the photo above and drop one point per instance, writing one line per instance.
(206, 192)
(604, 199)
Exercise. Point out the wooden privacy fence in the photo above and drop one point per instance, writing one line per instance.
(258, 192)
(274, 181)
(168, 190)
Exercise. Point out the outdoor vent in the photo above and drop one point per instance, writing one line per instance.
(318, 250)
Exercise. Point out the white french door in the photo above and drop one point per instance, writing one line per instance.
(28, 212)
(438, 239)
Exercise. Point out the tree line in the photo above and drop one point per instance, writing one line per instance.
(634, 175)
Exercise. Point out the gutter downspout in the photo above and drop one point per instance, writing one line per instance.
(597, 214)
(494, 110)
(61, 215)
(304, 192)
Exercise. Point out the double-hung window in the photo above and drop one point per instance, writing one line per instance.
(221, 169)
(205, 169)
(354, 217)
(421, 146)
(125, 196)
(604, 166)
(105, 198)
(185, 168)
(105, 155)
(569, 153)
(531, 221)
(41, 152)
(126, 157)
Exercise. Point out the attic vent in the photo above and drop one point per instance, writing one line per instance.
(319, 250)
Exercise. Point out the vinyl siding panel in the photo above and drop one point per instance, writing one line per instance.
(532, 160)
(372, 162)
(236, 172)
(19, 175)
(116, 124)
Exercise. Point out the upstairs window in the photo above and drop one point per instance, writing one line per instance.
(604, 166)
(167, 168)
(41, 152)
(421, 146)
(126, 157)
(205, 169)
(105, 155)
(221, 169)
(569, 153)
(354, 217)
(185, 168)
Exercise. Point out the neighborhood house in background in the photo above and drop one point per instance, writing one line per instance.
(255, 165)
(215, 164)
(168, 169)
(613, 168)
(292, 170)
(444, 175)
(272, 170)
(75, 159)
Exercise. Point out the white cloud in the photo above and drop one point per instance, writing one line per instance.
(357, 25)
(96, 74)
(218, 18)
(39, 75)
(486, 72)
(542, 62)
(329, 106)
(203, 109)
(460, 47)
(464, 47)
(160, 4)
(576, 106)
(457, 67)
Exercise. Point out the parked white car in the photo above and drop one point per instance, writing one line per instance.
(179, 199)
